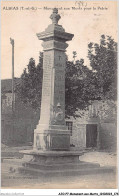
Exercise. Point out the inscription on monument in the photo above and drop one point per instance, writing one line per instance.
(47, 62)
(59, 90)
(47, 66)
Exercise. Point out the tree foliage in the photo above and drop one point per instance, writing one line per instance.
(75, 96)
(81, 83)
(30, 88)
(84, 85)
(103, 60)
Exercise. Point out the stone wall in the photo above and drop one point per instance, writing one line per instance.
(105, 113)
(17, 130)
(108, 136)
(6, 106)
(18, 127)
(78, 137)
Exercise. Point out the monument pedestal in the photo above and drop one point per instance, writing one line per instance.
(51, 157)
(38, 164)
(52, 139)
(53, 163)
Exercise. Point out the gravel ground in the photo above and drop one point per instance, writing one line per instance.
(100, 181)
(93, 181)
(103, 158)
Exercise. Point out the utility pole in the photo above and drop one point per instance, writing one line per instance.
(12, 42)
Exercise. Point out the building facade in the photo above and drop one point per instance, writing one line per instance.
(96, 127)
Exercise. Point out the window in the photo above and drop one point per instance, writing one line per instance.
(69, 124)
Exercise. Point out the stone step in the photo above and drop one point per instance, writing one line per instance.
(64, 172)
(5, 154)
(67, 166)
(13, 152)
(48, 166)
(37, 170)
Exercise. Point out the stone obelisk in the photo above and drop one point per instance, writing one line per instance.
(51, 153)
(51, 132)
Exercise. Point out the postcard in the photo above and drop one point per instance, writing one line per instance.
(59, 97)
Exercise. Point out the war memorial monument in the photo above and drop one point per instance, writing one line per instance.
(51, 152)
(51, 136)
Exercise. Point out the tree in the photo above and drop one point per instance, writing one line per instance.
(30, 88)
(103, 60)
(84, 85)
(77, 92)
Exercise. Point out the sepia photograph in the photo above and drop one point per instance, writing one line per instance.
(59, 95)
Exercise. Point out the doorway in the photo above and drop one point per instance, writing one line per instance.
(91, 135)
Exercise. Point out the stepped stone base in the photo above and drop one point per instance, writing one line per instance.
(65, 163)
(51, 157)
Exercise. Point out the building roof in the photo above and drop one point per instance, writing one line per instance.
(6, 84)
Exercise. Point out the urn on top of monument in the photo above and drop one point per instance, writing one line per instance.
(55, 16)
(54, 30)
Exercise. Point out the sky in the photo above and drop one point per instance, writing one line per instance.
(87, 20)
